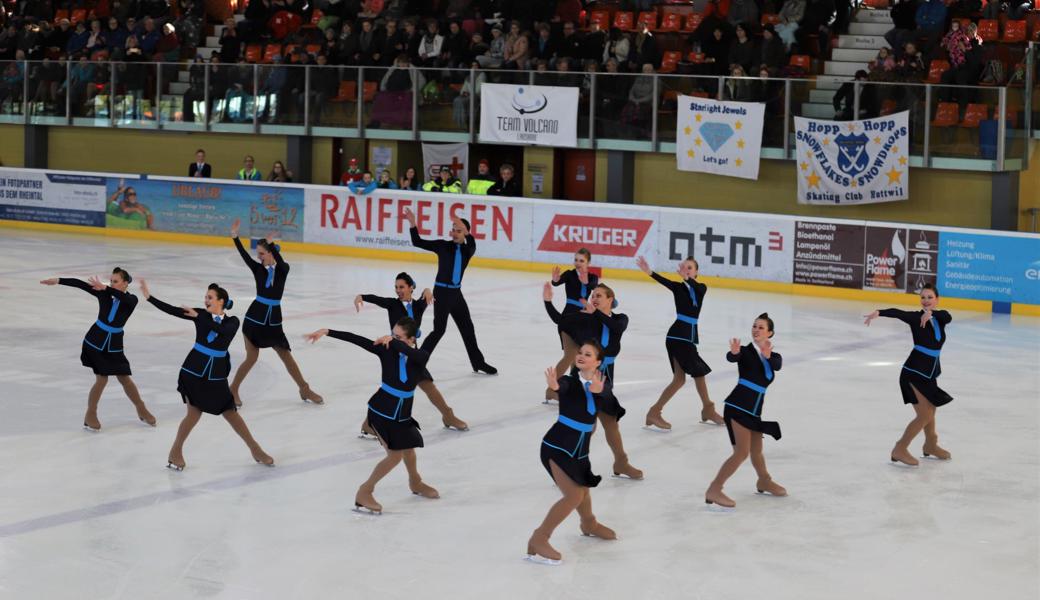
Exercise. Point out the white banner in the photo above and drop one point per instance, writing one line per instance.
(453, 156)
(853, 162)
(724, 138)
(333, 215)
(52, 197)
(529, 114)
(746, 246)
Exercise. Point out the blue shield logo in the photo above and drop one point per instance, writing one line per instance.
(852, 153)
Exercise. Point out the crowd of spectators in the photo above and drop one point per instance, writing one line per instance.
(446, 180)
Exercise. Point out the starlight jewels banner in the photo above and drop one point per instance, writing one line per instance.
(853, 162)
(724, 138)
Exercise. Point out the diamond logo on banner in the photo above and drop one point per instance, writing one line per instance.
(716, 134)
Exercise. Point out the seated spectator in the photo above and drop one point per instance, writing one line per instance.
(844, 99)
(412, 38)
(716, 52)
(168, 49)
(477, 47)
(248, 172)
(149, 37)
(480, 183)
(280, 173)
(544, 47)
(645, 50)
(455, 48)
(517, 48)
(324, 85)
(569, 45)
(506, 185)
(566, 77)
(365, 185)
(12, 82)
(430, 46)
(390, 43)
(737, 87)
(95, 38)
(931, 21)
(593, 44)
(910, 65)
(115, 38)
(742, 51)
(410, 180)
(330, 46)
(612, 92)
(903, 14)
(58, 40)
(385, 181)
(230, 44)
(399, 77)
(347, 45)
(445, 182)
(956, 44)
(967, 71)
(352, 174)
(619, 47)
(80, 78)
(460, 104)
(45, 77)
(200, 168)
(771, 52)
(77, 41)
(883, 67)
(495, 54)
(640, 99)
(273, 88)
(790, 15)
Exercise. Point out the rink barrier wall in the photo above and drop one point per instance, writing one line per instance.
(834, 258)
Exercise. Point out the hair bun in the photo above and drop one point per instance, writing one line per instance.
(229, 304)
(613, 304)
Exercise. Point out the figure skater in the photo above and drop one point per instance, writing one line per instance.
(262, 324)
(390, 408)
(757, 365)
(565, 449)
(681, 342)
(103, 350)
(578, 284)
(919, 378)
(202, 382)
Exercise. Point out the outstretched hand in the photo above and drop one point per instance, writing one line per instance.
(456, 221)
(409, 216)
(586, 306)
(734, 346)
(556, 274)
(96, 283)
(766, 348)
(383, 341)
(547, 292)
(550, 379)
(189, 311)
(870, 317)
(316, 335)
(643, 265)
(235, 226)
(358, 303)
(144, 289)
(926, 316)
(427, 295)
(596, 383)
(51, 281)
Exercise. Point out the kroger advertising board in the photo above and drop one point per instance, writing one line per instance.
(334, 215)
(614, 236)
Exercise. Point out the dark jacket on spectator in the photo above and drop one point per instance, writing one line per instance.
(570, 46)
(592, 46)
(503, 188)
(772, 53)
(903, 15)
(743, 54)
(230, 46)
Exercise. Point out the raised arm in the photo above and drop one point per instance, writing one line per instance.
(77, 283)
(668, 283)
(903, 315)
(353, 338)
(419, 242)
(379, 301)
(250, 262)
(169, 309)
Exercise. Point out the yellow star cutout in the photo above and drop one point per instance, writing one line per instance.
(697, 142)
(902, 161)
(689, 153)
(895, 150)
(808, 154)
(854, 184)
(893, 175)
(698, 118)
(739, 162)
(852, 127)
(740, 144)
(688, 130)
(738, 125)
(877, 140)
(813, 179)
(803, 165)
(826, 141)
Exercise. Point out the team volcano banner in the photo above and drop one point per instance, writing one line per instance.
(853, 162)
(529, 114)
(718, 137)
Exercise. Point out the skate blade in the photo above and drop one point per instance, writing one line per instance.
(541, 560)
(147, 423)
(712, 423)
(623, 476)
(935, 458)
(901, 465)
(656, 429)
(550, 401)
(91, 429)
(453, 428)
(718, 508)
(264, 464)
(174, 467)
(314, 402)
(364, 510)
(367, 436)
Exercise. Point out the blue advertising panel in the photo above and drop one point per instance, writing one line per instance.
(989, 267)
(204, 208)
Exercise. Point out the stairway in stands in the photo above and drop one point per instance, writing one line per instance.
(853, 52)
(208, 44)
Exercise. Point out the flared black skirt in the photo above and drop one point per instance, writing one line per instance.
(213, 397)
(397, 435)
(748, 421)
(686, 355)
(928, 387)
(578, 469)
(104, 363)
(265, 336)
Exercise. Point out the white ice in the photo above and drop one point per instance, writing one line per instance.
(86, 515)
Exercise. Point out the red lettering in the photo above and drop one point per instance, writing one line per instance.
(368, 213)
(351, 215)
(329, 206)
(440, 219)
(423, 215)
(402, 205)
(476, 212)
(500, 222)
(384, 213)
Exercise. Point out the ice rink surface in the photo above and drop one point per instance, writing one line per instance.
(86, 515)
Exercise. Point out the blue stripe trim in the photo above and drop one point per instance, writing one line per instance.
(574, 302)
(575, 425)
(453, 286)
(918, 372)
(268, 301)
(686, 319)
(209, 351)
(928, 351)
(108, 328)
(754, 386)
(395, 392)
(567, 452)
(741, 409)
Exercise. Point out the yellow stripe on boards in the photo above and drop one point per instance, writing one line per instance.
(775, 287)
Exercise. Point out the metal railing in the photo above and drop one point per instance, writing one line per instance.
(616, 111)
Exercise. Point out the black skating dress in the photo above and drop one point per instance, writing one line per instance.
(744, 403)
(390, 408)
(103, 345)
(607, 330)
(682, 338)
(575, 291)
(203, 378)
(921, 369)
(567, 441)
(262, 323)
(396, 310)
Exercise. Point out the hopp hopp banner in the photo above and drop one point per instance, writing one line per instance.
(853, 162)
